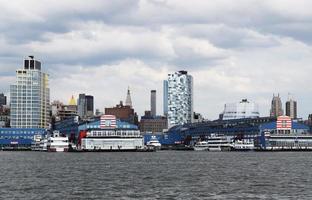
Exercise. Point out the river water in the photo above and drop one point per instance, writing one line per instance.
(156, 175)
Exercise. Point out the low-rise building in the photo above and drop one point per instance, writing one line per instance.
(61, 111)
(197, 118)
(4, 116)
(123, 112)
(151, 124)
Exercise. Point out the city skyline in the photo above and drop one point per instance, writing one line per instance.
(76, 97)
(234, 56)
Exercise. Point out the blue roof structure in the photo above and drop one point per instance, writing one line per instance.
(237, 127)
(19, 136)
(96, 125)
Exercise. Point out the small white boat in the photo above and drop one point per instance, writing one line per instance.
(57, 143)
(154, 143)
(201, 146)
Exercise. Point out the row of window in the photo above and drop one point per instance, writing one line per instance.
(17, 132)
(16, 137)
(291, 144)
(114, 133)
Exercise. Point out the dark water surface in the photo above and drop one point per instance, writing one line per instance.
(156, 175)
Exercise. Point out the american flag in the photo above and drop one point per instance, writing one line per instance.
(283, 123)
(108, 121)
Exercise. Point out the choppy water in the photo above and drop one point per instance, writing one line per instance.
(156, 175)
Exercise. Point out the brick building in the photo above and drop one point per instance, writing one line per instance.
(156, 124)
(123, 112)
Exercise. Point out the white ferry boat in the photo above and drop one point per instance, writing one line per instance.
(112, 140)
(285, 142)
(57, 143)
(243, 145)
(154, 143)
(219, 143)
(110, 137)
(201, 146)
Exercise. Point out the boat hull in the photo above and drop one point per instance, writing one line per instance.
(201, 148)
(57, 149)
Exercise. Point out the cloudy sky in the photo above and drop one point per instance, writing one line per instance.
(234, 49)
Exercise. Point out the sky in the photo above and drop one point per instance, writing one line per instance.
(233, 49)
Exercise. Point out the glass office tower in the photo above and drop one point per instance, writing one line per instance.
(30, 97)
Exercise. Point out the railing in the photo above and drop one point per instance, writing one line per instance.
(114, 133)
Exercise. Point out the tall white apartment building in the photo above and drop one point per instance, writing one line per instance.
(178, 93)
(30, 97)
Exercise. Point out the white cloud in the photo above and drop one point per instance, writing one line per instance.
(109, 83)
(242, 49)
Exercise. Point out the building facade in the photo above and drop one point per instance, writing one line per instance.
(309, 121)
(179, 98)
(165, 97)
(153, 103)
(61, 111)
(242, 109)
(276, 107)
(30, 97)
(153, 124)
(3, 100)
(123, 112)
(85, 106)
(291, 109)
(19, 138)
(4, 116)
(198, 118)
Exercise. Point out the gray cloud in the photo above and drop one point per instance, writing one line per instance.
(246, 48)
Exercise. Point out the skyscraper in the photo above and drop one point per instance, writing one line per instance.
(153, 103)
(180, 98)
(30, 97)
(85, 106)
(291, 108)
(128, 99)
(165, 97)
(3, 100)
(276, 107)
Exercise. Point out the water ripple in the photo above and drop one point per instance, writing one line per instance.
(157, 175)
